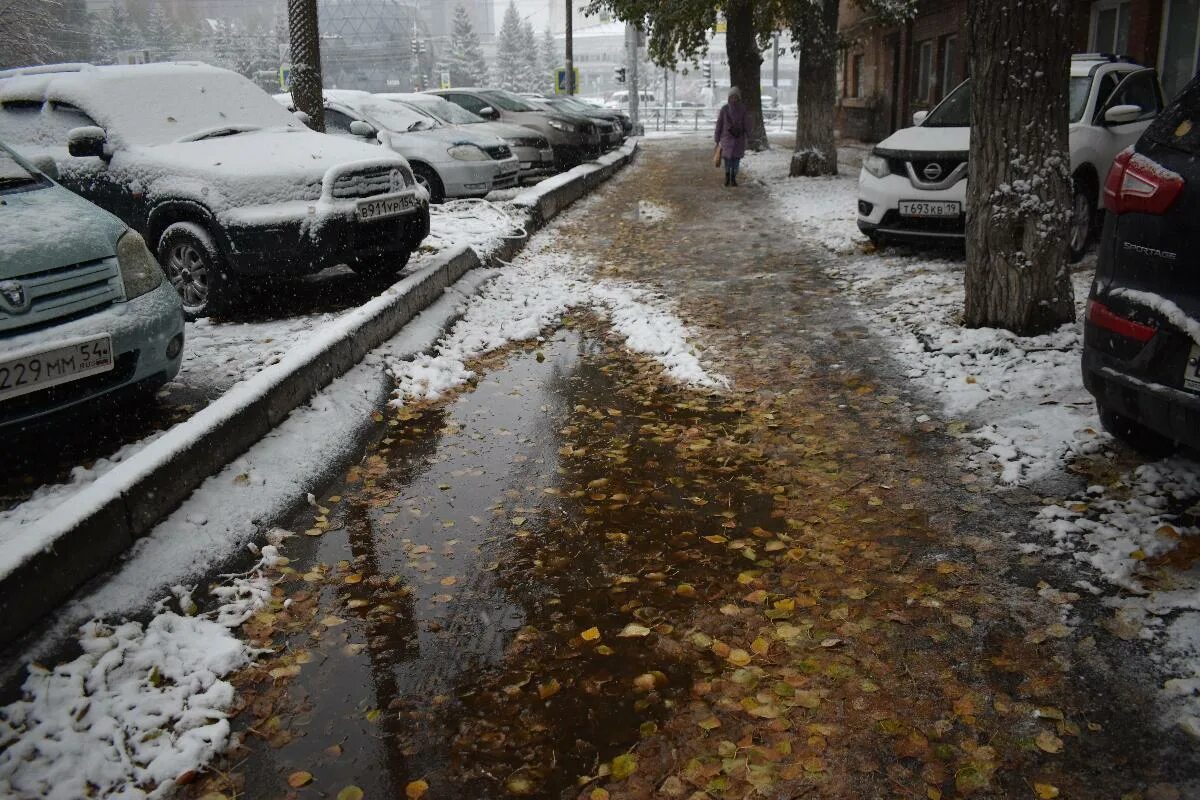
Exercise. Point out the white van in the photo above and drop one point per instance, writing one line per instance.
(620, 99)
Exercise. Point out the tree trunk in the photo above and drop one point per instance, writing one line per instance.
(745, 64)
(816, 94)
(306, 61)
(1018, 187)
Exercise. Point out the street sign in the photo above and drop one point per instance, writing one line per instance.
(285, 77)
(560, 80)
(444, 79)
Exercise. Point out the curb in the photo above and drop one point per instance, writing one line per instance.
(61, 552)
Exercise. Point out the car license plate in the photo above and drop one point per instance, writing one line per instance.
(393, 205)
(68, 361)
(1191, 371)
(930, 208)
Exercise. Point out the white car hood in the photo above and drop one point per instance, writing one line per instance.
(446, 135)
(935, 140)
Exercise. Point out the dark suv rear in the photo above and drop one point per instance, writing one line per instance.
(1141, 357)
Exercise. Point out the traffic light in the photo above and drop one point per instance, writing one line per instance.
(706, 73)
(619, 74)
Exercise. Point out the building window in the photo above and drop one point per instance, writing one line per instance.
(1110, 26)
(860, 86)
(948, 72)
(1180, 49)
(924, 71)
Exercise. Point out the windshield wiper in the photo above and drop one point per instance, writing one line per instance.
(419, 125)
(12, 183)
(216, 133)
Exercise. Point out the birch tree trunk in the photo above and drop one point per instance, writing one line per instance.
(1018, 186)
(816, 95)
(745, 64)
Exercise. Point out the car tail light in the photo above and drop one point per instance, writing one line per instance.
(1137, 184)
(1104, 317)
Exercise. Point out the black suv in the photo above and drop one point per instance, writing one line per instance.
(219, 179)
(1141, 356)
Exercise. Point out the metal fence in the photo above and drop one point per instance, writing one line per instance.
(668, 118)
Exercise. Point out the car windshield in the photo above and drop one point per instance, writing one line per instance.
(159, 106)
(1178, 126)
(12, 174)
(955, 110)
(506, 101)
(396, 116)
(443, 109)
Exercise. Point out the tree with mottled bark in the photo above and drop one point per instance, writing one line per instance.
(25, 26)
(1018, 184)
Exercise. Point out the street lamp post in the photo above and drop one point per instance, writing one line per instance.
(570, 48)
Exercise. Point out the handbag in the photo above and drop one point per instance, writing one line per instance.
(717, 157)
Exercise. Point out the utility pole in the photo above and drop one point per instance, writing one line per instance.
(631, 56)
(570, 48)
(306, 61)
(775, 66)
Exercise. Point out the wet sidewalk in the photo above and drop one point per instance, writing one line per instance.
(574, 579)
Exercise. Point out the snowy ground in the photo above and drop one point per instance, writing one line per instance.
(1019, 406)
(146, 703)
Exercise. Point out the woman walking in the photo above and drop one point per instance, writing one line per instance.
(733, 132)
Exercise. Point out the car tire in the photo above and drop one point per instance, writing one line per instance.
(1083, 218)
(196, 269)
(1135, 434)
(380, 267)
(878, 240)
(429, 179)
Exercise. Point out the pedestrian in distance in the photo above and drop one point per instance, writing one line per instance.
(732, 134)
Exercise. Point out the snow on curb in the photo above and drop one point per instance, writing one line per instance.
(43, 563)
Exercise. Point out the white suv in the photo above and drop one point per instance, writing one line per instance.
(913, 185)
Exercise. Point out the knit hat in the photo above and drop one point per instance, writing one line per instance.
(735, 92)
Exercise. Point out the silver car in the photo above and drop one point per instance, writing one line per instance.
(531, 147)
(448, 162)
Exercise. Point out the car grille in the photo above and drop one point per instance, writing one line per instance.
(65, 292)
(368, 182)
(500, 152)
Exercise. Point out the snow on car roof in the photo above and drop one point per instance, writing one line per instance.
(155, 103)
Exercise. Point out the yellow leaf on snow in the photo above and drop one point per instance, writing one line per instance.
(712, 723)
(623, 766)
(331, 621)
(1045, 791)
(599, 794)
(590, 635)
(633, 630)
(739, 657)
(350, 793)
(549, 689)
(1048, 742)
(416, 789)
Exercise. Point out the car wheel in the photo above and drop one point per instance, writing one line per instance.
(196, 269)
(429, 179)
(878, 240)
(1083, 216)
(380, 267)
(1135, 434)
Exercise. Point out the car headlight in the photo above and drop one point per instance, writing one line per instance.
(468, 152)
(877, 165)
(139, 269)
(559, 125)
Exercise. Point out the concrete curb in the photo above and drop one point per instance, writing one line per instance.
(60, 553)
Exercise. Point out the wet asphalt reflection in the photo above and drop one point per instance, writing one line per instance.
(469, 556)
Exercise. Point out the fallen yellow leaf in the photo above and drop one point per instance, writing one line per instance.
(416, 789)
(298, 779)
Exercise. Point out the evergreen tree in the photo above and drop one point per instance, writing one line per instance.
(159, 35)
(119, 34)
(531, 62)
(551, 58)
(465, 59)
(510, 58)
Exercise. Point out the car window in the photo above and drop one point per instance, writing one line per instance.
(467, 101)
(395, 116)
(21, 122)
(443, 109)
(13, 175)
(1138, 90)
(61, 118)
(507, 101)
(1178, 126)
(1108, 84)
(954, 111)
(337, 123)
(1078, 90)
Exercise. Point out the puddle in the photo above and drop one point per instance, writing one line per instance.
(491, 553)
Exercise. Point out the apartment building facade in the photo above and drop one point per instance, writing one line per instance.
(888, 73)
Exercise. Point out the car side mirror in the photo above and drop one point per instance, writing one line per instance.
(87, 142)
(487, 112)
(363, 129)
(46, 165)
(919, 117)
(1120, 115)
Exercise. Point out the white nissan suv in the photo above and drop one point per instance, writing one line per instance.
(913, 185)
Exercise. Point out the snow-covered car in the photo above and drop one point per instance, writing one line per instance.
(913, 184)
(219, 179)
(573, 137)
(531, 148)
(449, 162)
(85, 310)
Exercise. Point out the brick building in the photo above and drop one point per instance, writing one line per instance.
(887, 73)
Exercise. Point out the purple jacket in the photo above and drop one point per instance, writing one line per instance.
(733, 130)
